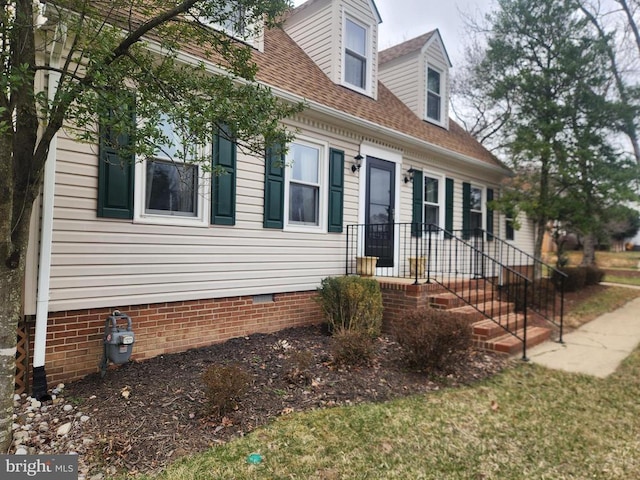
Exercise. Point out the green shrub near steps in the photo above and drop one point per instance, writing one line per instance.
(351, 304)
(579, 277)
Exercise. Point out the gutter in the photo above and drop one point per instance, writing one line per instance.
(40, 389)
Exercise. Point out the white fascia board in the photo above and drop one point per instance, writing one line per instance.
(349, 118)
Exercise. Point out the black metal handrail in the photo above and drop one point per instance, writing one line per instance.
(429, 253)
(546, 298)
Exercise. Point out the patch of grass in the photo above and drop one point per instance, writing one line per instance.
(603, 259)
(602, 302)
(623, 280)
(528, 422)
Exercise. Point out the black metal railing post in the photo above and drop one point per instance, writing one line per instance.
(416, 260)
(429, 255)
(346, 260)
(525, 308)
(562, 279)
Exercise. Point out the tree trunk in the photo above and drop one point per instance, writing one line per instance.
(541, 229)
(589, 250)
(11, 283)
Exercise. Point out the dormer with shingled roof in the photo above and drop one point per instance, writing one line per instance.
(341, 37)
(417, 72)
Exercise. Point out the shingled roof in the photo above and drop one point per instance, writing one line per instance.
(404, 48)
(284, 65)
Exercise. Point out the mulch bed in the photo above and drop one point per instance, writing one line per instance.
(147, 414)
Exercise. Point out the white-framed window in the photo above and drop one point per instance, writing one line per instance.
(510, 225)
(434, 104)
(169, 188)
(475, 209)
(356, 66)
(305, 185)
(237, 24)
(433, 199)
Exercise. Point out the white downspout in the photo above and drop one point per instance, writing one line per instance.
(46, 234)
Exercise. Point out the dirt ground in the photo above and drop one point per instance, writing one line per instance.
(146, 414)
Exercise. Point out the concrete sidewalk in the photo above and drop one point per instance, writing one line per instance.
(597, 347)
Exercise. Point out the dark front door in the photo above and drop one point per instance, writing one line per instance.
(380, 210)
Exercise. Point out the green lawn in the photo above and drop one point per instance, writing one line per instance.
(621, 279)
(527, 423)
(603, 301)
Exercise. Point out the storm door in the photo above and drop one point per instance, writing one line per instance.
(380, 211)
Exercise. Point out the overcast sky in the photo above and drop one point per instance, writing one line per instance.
(406, 19)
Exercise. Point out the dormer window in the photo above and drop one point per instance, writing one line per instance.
(235, 21)
(434, 96)
(356, 56)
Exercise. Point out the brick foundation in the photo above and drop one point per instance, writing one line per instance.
(74, 338)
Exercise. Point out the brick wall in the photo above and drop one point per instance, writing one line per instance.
(74, 338)
(398, 298)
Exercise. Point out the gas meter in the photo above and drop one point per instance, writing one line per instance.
(118, 340)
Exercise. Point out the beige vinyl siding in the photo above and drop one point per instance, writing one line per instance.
(402, 77)
(314, 31)
(110, 263)
(525, 236)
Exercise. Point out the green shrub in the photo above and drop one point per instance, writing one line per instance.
(224, 385)
(352, 347)
(351, 303)
(540, 294)
(434, 339)
(576, 278)
(594, 275)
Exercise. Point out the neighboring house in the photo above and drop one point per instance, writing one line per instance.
(375, 145)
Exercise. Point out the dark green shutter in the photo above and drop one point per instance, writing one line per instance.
(223, 191)
(418, 203)
(336, 190)
(448, 206)
(274, 188)
(466, 210)
(115, 175)
(489, 215)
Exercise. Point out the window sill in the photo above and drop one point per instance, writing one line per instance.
(304, 228)
(171, 220)
(435, 122)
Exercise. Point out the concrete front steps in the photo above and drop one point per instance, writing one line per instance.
(492, 334)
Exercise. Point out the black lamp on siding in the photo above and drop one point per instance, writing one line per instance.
(408, 177)
(357, 163)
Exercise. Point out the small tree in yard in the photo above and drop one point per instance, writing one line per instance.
(117, 56)
(546, 68)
